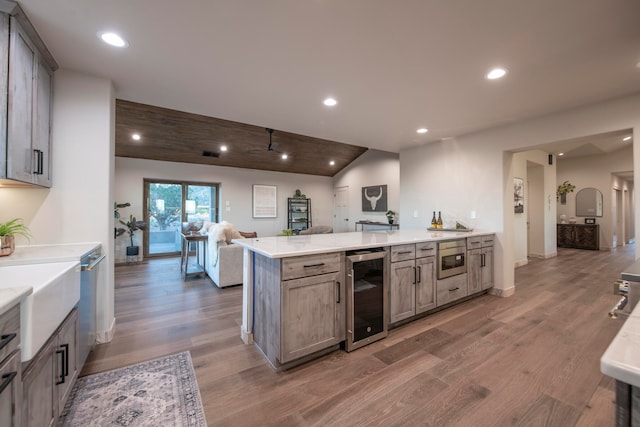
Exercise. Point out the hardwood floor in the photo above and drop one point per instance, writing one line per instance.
(531, 359)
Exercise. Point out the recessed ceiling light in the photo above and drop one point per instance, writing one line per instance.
(330, 102)
(496, 73)
(284, 157)
(332, 163)
(422, 130)
(136, 137)
(223, 148)
(560, 154)
(626, 138)
(112, 39)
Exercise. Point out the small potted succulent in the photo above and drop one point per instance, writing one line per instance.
(390, 216)
(8, 231)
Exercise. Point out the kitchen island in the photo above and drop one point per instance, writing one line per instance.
(294, 286)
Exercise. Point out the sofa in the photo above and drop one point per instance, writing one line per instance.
(224, 260)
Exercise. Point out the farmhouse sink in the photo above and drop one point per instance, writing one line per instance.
(56, 290)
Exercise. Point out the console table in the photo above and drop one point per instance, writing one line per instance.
(382, 224)
(579, 236)
(200, 241)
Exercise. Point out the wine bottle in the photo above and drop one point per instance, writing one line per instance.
(439, 220)
(434, 222)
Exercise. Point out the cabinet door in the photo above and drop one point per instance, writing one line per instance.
(22, 61)
(311, 315)
(586, 237)
(565, 235)
(487, 268)
(402, 290)
(426, 285)
(42, 127)
(11, 391)
(38, 392)
(67, 359)
(474, 279)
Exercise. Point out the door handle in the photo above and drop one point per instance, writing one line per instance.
(66, 359)
(419, 274)
(6, 339)
(414, 276)
(338, 287)
(6, 380)
(61, 380)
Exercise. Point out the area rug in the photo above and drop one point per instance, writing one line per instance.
(159, 392)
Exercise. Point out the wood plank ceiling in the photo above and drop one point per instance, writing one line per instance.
(177, 136)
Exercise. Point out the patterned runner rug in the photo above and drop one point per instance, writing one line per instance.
(159, 392)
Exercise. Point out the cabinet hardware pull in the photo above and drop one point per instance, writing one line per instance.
(6, 339)
(404, 252)
(38, 161)
(426, 249)
(419, 274)
(414, 276)
(314, 265)
(338, 286)
(6, 380)
(453, 290)
(66, 359)
(482, 260)
(61, 381)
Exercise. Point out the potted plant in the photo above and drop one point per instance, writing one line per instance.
(117, 231)
(390, 215)
(8, 231)
(133, 225)
(563, 189)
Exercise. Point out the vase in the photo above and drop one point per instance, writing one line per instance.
(390, 221)
(7, 245)
(563, 199)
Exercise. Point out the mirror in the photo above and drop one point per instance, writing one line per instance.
(589, 202)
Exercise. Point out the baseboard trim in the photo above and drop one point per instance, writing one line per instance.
(521, 263)
(247, 337)
(543, 256)
(106, 336)
(503, 293)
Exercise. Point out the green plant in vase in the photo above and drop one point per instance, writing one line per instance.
(8, 231)
(132, 225)
(562, 191)
(390, 216)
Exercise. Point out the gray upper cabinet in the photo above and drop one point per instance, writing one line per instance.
(27, 95)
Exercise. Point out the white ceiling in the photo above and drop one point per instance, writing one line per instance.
(393, 66)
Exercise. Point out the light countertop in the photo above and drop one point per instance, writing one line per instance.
(289, 246)
(12, 296)
(621, 360)
(38, 254)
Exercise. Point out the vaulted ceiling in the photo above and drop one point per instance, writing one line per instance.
(392, 66)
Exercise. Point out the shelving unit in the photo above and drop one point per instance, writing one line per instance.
(298, 214)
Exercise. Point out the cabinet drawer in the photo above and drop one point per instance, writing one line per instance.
(474, 242)
(487, 241)
(310, 265)
(9, 325)
(425, 249)
(451, 289)
(403, 252)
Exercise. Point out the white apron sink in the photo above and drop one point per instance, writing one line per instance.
(56, 290)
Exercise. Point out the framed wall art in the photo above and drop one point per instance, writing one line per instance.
(374, 198)
(518, 195)
(265, 201)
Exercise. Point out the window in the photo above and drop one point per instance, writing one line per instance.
(167, 204)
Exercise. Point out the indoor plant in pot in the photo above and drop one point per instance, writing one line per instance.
(133, 225)
(563, 189)
(390, 215)
(8, 231)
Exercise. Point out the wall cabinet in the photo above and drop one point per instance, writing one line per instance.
(299, 306)
(298, 214)
(10, 369)
(578, 236)
(25, 101)
(479, 263)
(412, 280)
(49, 377)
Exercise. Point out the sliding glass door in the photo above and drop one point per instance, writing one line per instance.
(170, 203)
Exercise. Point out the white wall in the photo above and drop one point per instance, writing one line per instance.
(594, 171)
(77, 208)
(475, 172)
(372, 168)
(236, 186)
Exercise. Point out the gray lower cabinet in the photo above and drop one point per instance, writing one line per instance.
(299, 306)
(412, 280)
(49, 376)
(10, 369)
(479, 263)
